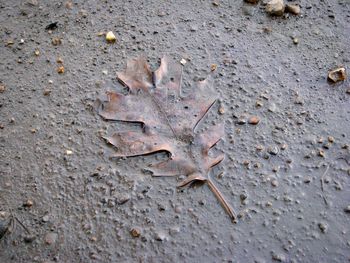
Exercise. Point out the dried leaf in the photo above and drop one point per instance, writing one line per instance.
(169, 122)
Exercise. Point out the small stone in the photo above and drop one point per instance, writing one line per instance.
(243, 196)
(347, 209)
(69, 5)
(110, 37)
(275, 169)
(33, 2)
(215, 3)
(59, 60)
(37, 52)
(183, 61)
(321, 153)
(348, 91)
(122, 199)
(56, 41)
(307, 179)
(60, 70)
(221, 110)
(69, 152)
(161, 14)
(50, 238)
(274, 183)
(323, 227)
(2, 88)
(241, 120)
(284, 146)
(293, 9)
(178, 209)
(259, 104)
(259, 147)
(278, 257)
(275, 7)
(135, 232)
(47, 92)
(160, 236)
(213, 67)
(295, 41)
(193, 28)
(28, 203)
(45, 218)
(331, 139)
(273, 150)
(254, 120)
(336, 75)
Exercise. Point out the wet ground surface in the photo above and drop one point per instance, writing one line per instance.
(288, 177)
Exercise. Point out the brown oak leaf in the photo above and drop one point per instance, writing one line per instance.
(169, 122)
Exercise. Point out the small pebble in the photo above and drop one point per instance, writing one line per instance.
(241, 120)
(110, 37)
(293, 9)
(243, 196)
(295, 40)
(323, 227)
(50, 238)
(278, 257)
(47, 92)
(2, 88)
(259, 104)
(273, 150)
(275, 7)
(307, 179)
(213, 67)
(60, 70)
(160, 236)
(45, 218)
(56, 41)
(37, 52)
(274, 183)
(259, 147)
(183, 61)
(336, 75)
(331, 139)
(28, 203)
(321, 153)
(69, 152)
(284, 146)
(254, 120)
(135, 232)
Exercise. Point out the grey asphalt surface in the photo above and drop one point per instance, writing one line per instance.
(288, 177)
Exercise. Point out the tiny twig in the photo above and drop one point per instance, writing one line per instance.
(222, 200)
(322, 184)
(24, 227)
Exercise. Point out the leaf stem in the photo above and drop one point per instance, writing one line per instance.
(222, 200)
